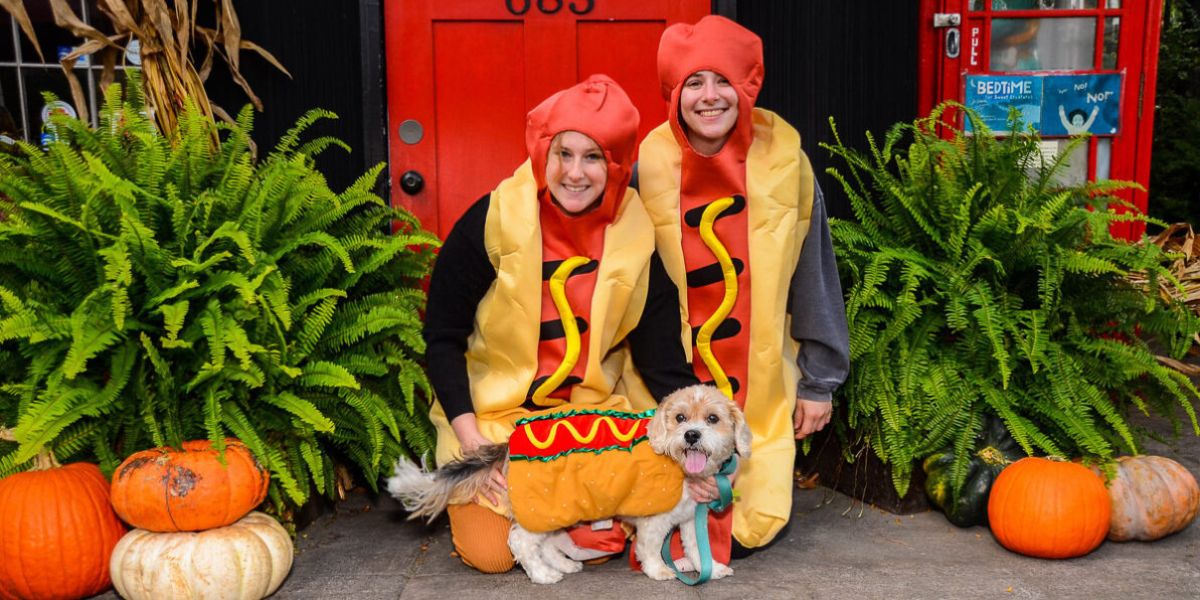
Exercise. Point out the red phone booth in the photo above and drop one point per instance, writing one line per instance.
(483, 64)
(1069, 66)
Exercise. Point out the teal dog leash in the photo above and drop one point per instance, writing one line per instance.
(706, 561)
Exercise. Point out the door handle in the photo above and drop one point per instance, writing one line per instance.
(412, 182)
(953, 43)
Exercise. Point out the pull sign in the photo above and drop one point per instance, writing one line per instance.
(941, 20)
(974, 46)
(953, 43)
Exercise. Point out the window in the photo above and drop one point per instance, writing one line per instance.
(24, 77)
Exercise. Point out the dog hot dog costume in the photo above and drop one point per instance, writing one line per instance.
(575, 464)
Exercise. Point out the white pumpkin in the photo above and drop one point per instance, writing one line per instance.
(247, 560)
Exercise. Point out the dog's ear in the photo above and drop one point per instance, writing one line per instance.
(656, 430)
(741, 433)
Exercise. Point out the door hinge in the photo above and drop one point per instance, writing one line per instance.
(946, 20)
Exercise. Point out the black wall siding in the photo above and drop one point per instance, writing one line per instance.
(334, 51)
(854, 60)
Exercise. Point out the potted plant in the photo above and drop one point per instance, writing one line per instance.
(977, 285)
(156, 288)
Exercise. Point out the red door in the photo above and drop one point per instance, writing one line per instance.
(1107, 48)
(462, 74)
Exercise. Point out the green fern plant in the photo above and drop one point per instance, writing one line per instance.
(977, 285)
(157, 288)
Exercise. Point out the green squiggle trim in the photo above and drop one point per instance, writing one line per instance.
(619, 447)
(587, 411)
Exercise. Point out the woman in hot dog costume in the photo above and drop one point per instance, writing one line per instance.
(542, 291)
(742, 231)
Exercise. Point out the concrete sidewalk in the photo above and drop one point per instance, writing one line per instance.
(835, 548)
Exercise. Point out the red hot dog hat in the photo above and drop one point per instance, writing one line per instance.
(715, 44)
(598, 108)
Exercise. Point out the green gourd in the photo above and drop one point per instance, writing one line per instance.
(994, 450)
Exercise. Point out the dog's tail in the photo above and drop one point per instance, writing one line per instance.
(427, 494)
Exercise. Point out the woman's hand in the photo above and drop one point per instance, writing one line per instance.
(497, 486)
(706, 490)
(467, 432)
(810, 417)
(466, 429)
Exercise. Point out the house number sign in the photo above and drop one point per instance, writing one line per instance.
(548, 7)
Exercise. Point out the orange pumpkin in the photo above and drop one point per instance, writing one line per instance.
(1152, 497)
(164, 489)
(57, 533)
(1049, 509)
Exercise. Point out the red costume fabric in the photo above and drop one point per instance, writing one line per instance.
(599, 109)
(723, 47)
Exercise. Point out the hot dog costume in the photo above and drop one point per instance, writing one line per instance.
(731, 229)
(531, 309)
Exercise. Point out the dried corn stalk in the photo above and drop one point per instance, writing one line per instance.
(1180, 239)
(169, 39)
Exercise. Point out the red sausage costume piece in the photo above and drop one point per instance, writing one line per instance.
(588, 109)
(706, 179)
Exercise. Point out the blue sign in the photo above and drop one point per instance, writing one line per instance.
(993, 96)
(1054, 105)
(1075, 104)
(84, 60)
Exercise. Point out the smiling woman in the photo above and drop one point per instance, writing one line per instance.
(576, 172)
(709, 107)
(740, 220)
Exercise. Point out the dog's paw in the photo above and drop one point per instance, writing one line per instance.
(720, 571)
(571, 566)
(545, 576)
(684, 565)
(659, 572)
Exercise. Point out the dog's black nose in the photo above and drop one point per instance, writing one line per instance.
(691, 436)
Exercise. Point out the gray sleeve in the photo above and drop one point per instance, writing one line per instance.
(818, 311)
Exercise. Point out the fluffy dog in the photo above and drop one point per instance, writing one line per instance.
(696, 427)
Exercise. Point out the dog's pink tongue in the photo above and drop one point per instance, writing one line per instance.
(694, 462)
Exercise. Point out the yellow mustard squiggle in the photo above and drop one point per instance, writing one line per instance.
(704, 337)
(612, 425)
(558, 292)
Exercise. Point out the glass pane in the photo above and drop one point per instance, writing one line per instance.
(1103, 158)
(118, 77)
(1074, 168)
(96, 18)
(1043, 44)
(1113, 4)
(51, 37)
(7, 50)
(38, 80)
(1042, 4)
(1112, 33)
(977, 5)
(10, 103)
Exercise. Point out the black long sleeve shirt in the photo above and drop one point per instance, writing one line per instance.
(462, 276)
